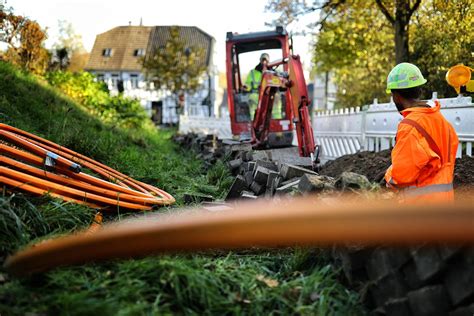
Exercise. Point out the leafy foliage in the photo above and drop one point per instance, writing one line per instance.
(60, 59)
(400, 21)
(442, 37)
(68, 52)
(25, 42)
(290, 11)
(95, 97)
(398, 14)
(356, 43)
(175, 66)
(357, 55)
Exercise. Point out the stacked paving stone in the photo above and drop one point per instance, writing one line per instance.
(208, 147)
(258, 176)
(424, 280)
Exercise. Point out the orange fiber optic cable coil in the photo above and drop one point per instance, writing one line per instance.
(35, 165)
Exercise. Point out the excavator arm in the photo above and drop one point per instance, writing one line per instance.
(272, 82)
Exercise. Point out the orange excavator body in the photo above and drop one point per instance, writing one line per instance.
(266, 131)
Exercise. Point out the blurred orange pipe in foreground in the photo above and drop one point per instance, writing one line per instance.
(305, 221)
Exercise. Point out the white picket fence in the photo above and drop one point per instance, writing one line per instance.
(347, 131)
(205, 125)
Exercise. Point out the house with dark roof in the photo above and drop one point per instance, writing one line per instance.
(115, 60)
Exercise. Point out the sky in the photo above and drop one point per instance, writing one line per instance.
(215, 17)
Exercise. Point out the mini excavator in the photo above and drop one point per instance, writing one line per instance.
(287, 86)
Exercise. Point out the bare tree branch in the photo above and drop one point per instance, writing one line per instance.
(414, 8)
(385, 11)
(328, 3)
(299, 9)
(330, 6)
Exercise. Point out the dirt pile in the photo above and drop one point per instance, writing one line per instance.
(373, 166)
(464, 172)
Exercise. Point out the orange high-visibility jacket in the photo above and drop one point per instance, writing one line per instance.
(424, 156)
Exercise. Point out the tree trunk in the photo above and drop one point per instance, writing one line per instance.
(326, 89)
(402, 19)
(400, 22)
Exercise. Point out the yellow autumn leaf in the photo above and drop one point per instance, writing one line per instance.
(268, 281)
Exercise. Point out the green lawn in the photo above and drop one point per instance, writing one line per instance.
(288, 281)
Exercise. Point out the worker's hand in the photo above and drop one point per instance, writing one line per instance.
(380, 178)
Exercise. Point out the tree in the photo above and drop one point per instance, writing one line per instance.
(400, 22)
(32, 54)
(358, 57)
(11, 25)
(60, 59)
(356, 46)
(290, 11)
(441, 37)
(78, 61)
(25, 40)
(68, 51)
(175, 66)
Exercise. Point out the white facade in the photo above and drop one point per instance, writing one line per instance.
(325, 91)
(116, 60)
(135, 86)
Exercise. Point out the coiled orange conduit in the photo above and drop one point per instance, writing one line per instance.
(65, 179)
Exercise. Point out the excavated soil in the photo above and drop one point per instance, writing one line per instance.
(464, 171)
(373, 166)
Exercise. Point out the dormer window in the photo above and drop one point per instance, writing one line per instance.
(107, 52)
(139, 52)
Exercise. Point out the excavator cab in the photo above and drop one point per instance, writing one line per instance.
(242, 54)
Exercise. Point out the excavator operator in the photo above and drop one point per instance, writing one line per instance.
(426, 144)
(252, 85)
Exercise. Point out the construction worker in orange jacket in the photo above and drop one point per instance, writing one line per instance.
(426, 144)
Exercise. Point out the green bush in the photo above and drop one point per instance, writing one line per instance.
(94, 96)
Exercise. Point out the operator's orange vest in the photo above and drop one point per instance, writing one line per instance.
(423, 157)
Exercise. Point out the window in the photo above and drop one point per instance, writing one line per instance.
(100, 77)
(107, 52)
(139, 52)
(115, 78)
(134, 81)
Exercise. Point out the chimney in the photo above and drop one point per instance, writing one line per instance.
(141, 21)
(129, 23)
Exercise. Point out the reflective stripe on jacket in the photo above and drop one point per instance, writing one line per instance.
(424, 156)
(253, 80)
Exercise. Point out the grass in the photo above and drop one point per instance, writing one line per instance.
(230, 283)
(253, 282)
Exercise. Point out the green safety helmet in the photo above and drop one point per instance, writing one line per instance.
(404, 76)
